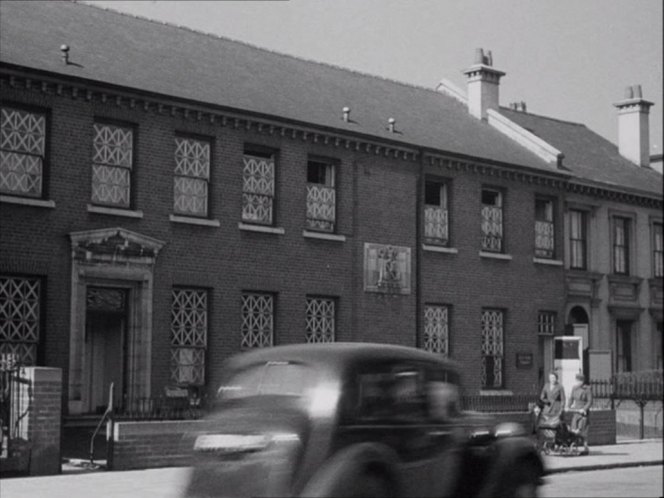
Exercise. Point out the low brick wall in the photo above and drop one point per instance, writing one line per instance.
(143, 445)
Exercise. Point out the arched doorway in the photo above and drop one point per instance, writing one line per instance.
(578, 325)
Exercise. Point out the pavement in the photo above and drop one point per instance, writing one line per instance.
(78, 480)
(628, 453)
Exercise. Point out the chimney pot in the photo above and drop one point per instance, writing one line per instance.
(629, 92)
(479, 56)
(638, 93)
(65, 53)
(346, 111)
(390, 123)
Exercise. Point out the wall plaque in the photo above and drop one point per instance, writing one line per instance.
(524, 360)
(386, 269)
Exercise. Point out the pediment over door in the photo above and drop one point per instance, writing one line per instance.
(114, 245)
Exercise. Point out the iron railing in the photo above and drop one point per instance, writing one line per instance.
(161, 408)
(499, 404)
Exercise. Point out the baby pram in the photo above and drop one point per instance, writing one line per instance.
(554, 436)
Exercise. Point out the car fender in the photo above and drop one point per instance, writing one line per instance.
(338, 475)
(509, 451)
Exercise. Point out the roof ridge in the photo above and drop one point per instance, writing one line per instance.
(256, 47)
(502, 107)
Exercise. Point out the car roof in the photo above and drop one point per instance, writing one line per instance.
(336, 356)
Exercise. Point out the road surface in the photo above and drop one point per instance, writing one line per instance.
(168, 483)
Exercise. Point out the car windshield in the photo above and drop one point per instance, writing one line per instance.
(268, 379)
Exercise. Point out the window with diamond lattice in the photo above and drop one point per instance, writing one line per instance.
(112, 162)
(492, 220)
(491, 373)
(19, 319)
(22, 152)
(320, 319)
(192, 176)
(546, 323)
(258, 188)
(545, 241)
(321, 196)
(436, 218)
(436, 329)
(189, 324)
(257, 320)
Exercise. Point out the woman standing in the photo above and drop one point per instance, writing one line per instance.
(553, 400)
(580, 402)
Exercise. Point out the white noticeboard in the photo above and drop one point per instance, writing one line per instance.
(568, 360)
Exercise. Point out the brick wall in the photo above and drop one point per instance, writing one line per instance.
(43, 422)
(143, 445)
(376, 202)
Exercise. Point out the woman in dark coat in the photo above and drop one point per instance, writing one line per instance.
(553, 401)
(581, 399)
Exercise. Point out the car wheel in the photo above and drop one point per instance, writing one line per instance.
(522, 481)
(372, 486)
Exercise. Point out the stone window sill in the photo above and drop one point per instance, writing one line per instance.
(323, 236)
(127, 213)
(26, 201)
(441, 249)
(495, 255)
(496, 392)
(261, 228)
(545, 261)
(191, 220)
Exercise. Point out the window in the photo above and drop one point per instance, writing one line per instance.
(192, 177)
(546, 323)
(257, 320)
(657, 250)
(436, 217)
(20, 302)
(321, 196)
(545, 241)
(189, 324)
(577, 239)
(624, 345)
(388, 392)
(268, 379)
(22, 152)
(258, 180)
(492, 220)
(112, 163)
(320, 319)
(492, 349)
(621, 245)
(437, 329)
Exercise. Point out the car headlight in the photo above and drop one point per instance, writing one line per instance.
(507, 429)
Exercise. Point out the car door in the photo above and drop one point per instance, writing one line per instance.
(445, 429)
(387, 405)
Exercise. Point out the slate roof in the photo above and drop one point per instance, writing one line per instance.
(120, 49)
(589, 156)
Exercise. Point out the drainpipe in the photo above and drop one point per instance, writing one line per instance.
(418, 250)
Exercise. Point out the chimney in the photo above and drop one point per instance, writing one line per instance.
(634, 126)
(483, 84)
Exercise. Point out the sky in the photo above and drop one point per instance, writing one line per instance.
(568, 59)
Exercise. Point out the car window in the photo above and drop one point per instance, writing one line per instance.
(387, 393)
(272, 378)
(443, 394)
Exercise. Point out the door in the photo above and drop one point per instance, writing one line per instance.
(105, 346)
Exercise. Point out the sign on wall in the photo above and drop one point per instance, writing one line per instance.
(386, 269)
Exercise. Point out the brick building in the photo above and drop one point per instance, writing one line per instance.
(169, 198)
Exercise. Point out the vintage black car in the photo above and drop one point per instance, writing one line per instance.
(352, 419)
